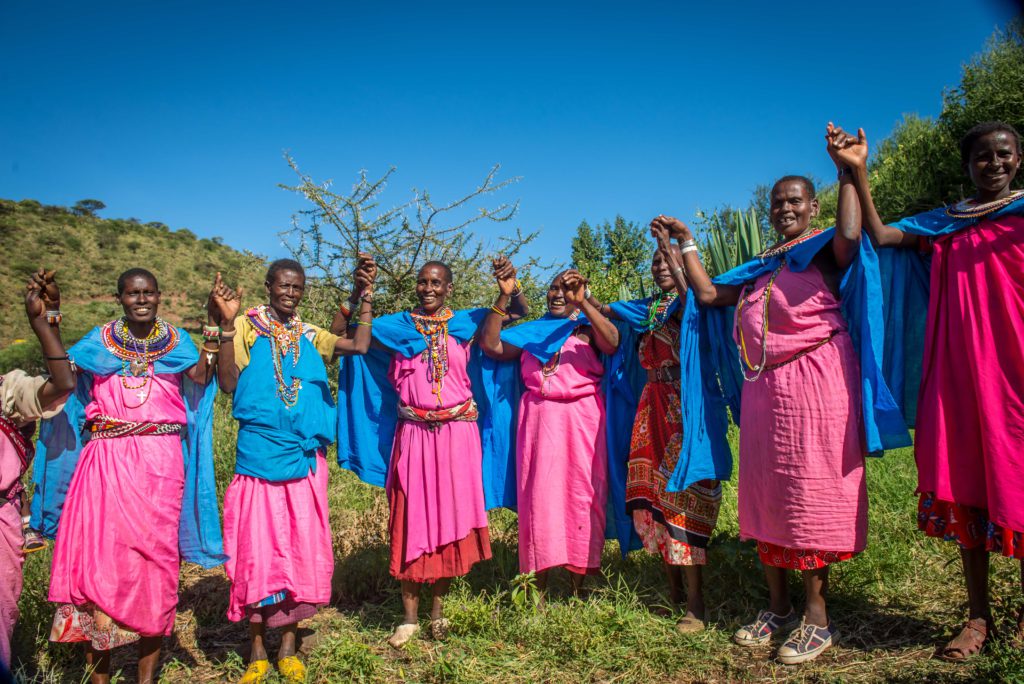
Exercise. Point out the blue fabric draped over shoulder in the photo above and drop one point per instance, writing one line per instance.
(61, 441)
(368, 404)
(904, 274)
(275, 442)
(543, 338)
(863, 307)
(705, 453)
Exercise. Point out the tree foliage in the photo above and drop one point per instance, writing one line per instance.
(327, 236)
(615, 256)
(87, 207)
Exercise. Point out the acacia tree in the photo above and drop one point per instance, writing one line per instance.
(327, 237)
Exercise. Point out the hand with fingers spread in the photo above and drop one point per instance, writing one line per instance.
(505, 274)
(42, 295)
(846, 150)
(223, 304)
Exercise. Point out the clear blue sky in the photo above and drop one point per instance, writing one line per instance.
(179, 111)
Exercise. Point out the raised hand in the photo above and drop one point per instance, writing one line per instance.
(224, 303)
(41, 295)
(365, 274)
(677, 230)
(575, 287)
(661, 236)
(845, 149)
(505, 274)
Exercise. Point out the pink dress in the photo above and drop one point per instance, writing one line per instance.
(801, 483)
(562, 461)
(117, 544)
(435, 478)
(11, 556)
(969, 442)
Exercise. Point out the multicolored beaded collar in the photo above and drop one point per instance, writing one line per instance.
(968, 208)
(434, 330)
(284, 338)
(120, 342)
(783, 247)
(657, 310)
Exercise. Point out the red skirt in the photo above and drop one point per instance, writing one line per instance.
(451, 560)
(969, 527)
(776, 556)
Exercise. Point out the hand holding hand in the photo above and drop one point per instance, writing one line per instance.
(845, 149)
(661, 236)
(224, 303)
(677, 230)
(41, 295)
(365, 274)
(505, 274)
(575, 287)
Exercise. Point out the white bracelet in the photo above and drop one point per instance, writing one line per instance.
(587, 293)
(688, 248)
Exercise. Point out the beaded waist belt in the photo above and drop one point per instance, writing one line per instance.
(434, 418)
(665, 374)
(23, 447)
(804, 352)
(106, 427)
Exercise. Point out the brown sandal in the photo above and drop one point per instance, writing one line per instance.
(968, 643)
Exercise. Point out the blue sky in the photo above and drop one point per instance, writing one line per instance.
(179, 111)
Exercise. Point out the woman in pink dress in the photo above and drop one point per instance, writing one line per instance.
(24, 399)
(561, 449)
(802, 492)
(277, 531)
(116, 557)
(969, 444)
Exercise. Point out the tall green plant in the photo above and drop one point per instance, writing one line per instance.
(730, 237)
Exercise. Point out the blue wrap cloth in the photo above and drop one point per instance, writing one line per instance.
(277, 443)
(61, 441)
(543, 338)
(368, 405)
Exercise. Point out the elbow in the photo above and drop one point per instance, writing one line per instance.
(65, 385)
(705, 297)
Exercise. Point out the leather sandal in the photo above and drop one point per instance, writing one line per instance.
(968, 643)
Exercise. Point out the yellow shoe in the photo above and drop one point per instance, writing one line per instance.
(256, 673)
(292, 669)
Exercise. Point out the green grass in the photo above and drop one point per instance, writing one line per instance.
(893, 605)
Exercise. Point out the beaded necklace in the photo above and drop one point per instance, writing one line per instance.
(434, 329)
(137, 354)
(284, 338)
(766, 297)
(786, 245)
(969, 209)
(657, 310)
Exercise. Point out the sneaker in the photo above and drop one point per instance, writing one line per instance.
(760, 631)
(806, 642)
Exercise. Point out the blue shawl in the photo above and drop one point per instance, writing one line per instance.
(368, 405)
(277, 443)
(862, 305)
(905, 285)
(543, 338)
(61, 441)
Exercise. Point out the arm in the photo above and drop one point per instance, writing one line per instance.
(846, 242)
(490, 330)
(853, 153)
(363, 276)
(357, 337)
(706, 292)
(203, 371)
(518, 307)
(224, 306)
(671, 257)
(41, 296)
(606, 335)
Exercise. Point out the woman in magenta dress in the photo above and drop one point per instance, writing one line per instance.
(802, 492)
(969, 444)
(277, 530)
(561, 448)
(116, 557)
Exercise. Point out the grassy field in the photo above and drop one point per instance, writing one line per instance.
(893, 605)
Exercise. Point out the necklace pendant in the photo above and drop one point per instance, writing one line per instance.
(138, 367)
(142, 395)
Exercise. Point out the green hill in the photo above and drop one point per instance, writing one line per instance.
(89, 253)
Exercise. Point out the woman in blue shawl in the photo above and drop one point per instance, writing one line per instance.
(802, 489)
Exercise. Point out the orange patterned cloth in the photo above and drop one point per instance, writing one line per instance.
(675, 525)
(777, 556)
(969, 527)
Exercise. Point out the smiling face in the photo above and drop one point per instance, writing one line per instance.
(993, 164)
(432, 287)
(140, 299)
(558, 305)
(285, 290)
(792, 208)
(661, 270)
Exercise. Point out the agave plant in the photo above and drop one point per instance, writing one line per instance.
(731, 238)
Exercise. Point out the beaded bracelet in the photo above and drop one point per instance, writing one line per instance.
(345, 311)
(54, 317)
(517, 290)
(499, 311)
(66, 357)
(368, 324)
(211, 332)
(228, 334)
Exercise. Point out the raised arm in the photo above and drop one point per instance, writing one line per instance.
(846, 242)
(517, 306)
(606, 335)
(363, 279)
(489, 338)
(222, 310)
(364, 275)
(42, 304)
(209, 354)
(705, 291)
(852, 152)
